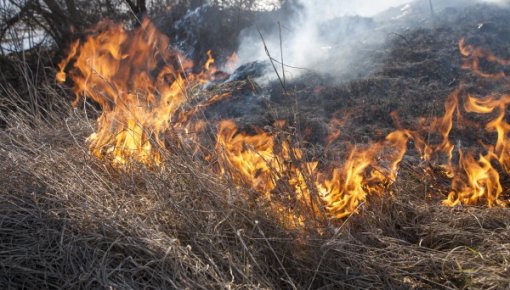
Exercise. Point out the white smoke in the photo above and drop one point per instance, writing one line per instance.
(331, 8)
(305, 45)
(500, 2)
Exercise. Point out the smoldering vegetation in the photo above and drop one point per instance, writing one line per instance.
(70, 220)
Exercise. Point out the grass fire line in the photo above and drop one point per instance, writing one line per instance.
(142, 87)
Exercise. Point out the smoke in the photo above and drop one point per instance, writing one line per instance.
(338, 37)
(499, 2)
(321, 36)
(322, 10)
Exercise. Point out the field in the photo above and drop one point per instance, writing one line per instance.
(242, 186)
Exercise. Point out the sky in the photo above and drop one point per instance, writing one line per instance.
(334, 8)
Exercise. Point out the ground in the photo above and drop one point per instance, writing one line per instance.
(70, 220)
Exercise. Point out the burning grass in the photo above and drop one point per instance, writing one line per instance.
(141, 84)
(157, 204)
(69, 220)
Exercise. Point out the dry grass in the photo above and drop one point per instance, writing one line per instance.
(68, 220)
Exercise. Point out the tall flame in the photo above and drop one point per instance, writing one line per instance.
(138, 81)
(478, 183)
(474, 180)
(142, 84)
(433, 139)
(366, 171)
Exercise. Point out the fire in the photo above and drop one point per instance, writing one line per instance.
(474, 180)
(334, 129)
(254, 161)
(472, 56)
(253, 157)
(432, 139)
(139, 83)
(142, 87)
(366, 171)
(257, 164)
(478, 183)
(499, 125)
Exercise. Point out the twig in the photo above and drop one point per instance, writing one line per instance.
(432, 13)
(271, 60)
(289, 279)
(281, 52)
(290, 66)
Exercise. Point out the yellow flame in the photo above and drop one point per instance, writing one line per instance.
(141, 85)
(138, 82)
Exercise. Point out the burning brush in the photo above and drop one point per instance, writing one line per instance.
(139, 84)
(142, 86)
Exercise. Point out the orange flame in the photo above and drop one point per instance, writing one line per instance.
(478, 183)
(473, 181)
(441, 127)
(498, 125)
(367, 171)
(141, 86)
(138, 82)
(253, 157)
(472, 56)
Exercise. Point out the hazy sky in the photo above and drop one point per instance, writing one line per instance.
(333, 8)
(360, 7)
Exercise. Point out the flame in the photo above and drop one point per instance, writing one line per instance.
(334, 128)
(474, 181)
(139, 84)
(441, 128)
(366, 171)
(142, 87)
(499, 125)
(471, 60)
(478, 183)
(253, 161)
(257, 164)
(253, 157)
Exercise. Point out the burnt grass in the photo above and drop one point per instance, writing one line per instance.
(68, 220)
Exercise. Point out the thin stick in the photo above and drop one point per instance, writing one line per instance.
(431, 9)
(290, 66)
(281, 53)
(271, 60)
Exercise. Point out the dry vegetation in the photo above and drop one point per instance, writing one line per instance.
(69, 220)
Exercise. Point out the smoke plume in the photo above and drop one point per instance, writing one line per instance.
(338, 37)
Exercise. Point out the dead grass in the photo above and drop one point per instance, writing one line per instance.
(70, 221)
